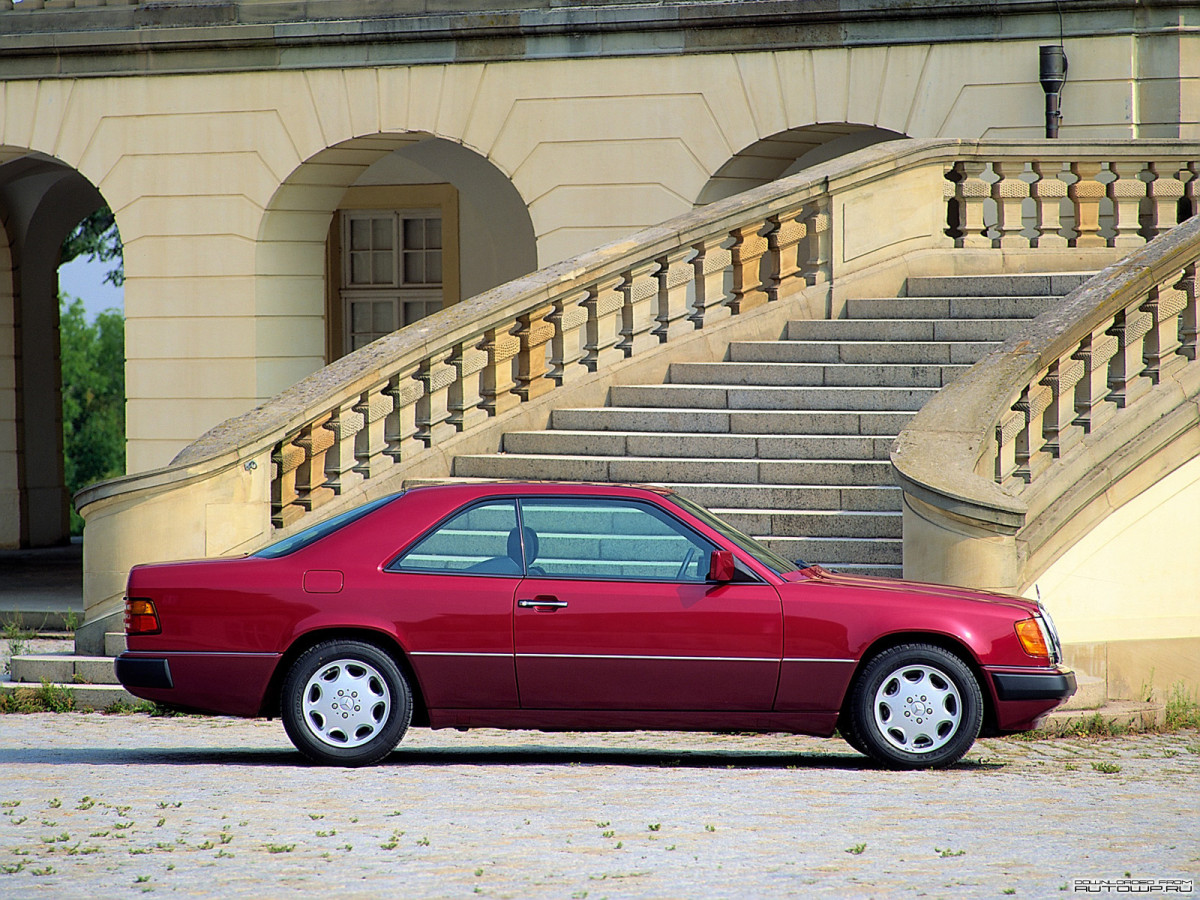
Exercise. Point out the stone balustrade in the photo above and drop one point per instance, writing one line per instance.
(1028, 441)
(793, 248)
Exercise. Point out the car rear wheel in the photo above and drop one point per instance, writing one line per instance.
(916, 706)
(345, 703)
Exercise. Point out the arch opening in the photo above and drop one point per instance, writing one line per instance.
(372, 234)
(787, 153)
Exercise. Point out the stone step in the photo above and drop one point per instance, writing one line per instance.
(1113, 717)
(874, 571)
(83, 696)
(655, 470)
(883, 423)
(834, 552)
(1044, 284)
(62, 668)
(792, 496)
(737, 397)
(862, 352)
(684, 444)
(902, 329)
(838, 523)
(952, 307)
(814, 374)
(1090, 693)
(114, 643)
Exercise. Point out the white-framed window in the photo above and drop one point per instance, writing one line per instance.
(391, 271)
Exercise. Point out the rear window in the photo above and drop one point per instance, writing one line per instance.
(302, 539)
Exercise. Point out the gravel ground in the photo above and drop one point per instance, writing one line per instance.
(113, 806)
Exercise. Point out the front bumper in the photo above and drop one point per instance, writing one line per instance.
(1057, 684)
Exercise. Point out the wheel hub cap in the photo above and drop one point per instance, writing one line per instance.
(918, 709)
(346, 702)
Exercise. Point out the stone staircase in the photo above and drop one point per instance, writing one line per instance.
(90, 680)
(788, 440)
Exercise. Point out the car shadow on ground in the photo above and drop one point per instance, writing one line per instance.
(454, 756)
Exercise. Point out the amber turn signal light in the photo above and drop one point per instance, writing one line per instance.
(141, 617)
(1029, 632)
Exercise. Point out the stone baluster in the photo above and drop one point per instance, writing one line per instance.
(1166, 190)
(566, 347)
(433, 409)
(369, 444)
(1187, 322)
(534, 333)
(315, 439)
(747, 251)
(674, 274)
(1164, 305)
(955, 226)
(1191, 189)
(1086, 194)
(1007, 429)
(818, 269)
(786, 242)
(339, 459)
(1048, 192)
(1009, 192)
(639, 290)
(1126, 192)
(400, 431)
(972, 192)
(1125, 378)
(1031, 455)
(465, 397)
(1092, 406)
(711, 263)
(497, 383)
(603, 304)
(285, 502)
(1061, 431)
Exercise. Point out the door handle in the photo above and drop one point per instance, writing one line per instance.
(542, 603)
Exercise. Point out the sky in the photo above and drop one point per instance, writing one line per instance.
(85, 280)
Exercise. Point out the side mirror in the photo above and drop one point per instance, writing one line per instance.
(720, 566)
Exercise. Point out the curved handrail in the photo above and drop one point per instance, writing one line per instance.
(977, 446)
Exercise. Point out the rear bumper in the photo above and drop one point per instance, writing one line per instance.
(141, 672)
(1051, 685)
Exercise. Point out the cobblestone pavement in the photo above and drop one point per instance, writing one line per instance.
(114, 806)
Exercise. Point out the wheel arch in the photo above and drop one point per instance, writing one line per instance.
(379, 639)
(946, 642)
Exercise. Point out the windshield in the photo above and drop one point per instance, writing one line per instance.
(313, 534)
(759, 551)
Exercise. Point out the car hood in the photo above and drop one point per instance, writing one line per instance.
(899, 586)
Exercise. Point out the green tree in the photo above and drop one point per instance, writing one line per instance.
(93, 396)
(98, 237)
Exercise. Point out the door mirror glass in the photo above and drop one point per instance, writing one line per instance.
(720, 566)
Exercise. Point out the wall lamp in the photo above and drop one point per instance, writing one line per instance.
(1052, 72)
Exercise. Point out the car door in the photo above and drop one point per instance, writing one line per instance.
(455, 586)
(616, 612)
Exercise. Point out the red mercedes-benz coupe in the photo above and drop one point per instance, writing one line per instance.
(578, 607)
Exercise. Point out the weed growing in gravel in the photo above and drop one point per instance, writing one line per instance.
(1182, 709)
(280, 848)
(1106, 768)
(856, 849)
(18, 638)
(47, 698)
(945, 854)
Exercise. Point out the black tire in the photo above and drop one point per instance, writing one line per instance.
(846, 730)
(345, 703)
(916, 706)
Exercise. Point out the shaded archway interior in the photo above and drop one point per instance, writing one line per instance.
(789, 152)
(41, 202)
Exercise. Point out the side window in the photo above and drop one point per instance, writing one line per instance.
(481, 540)
(601, 538)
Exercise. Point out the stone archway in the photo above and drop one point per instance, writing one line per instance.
(788, 152)
(41, 201)
(296, 272)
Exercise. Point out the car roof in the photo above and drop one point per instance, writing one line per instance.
(506, 488)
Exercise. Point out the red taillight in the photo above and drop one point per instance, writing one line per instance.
(141, 617)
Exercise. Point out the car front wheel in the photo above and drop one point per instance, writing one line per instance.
(916, 706)
(345, 703)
